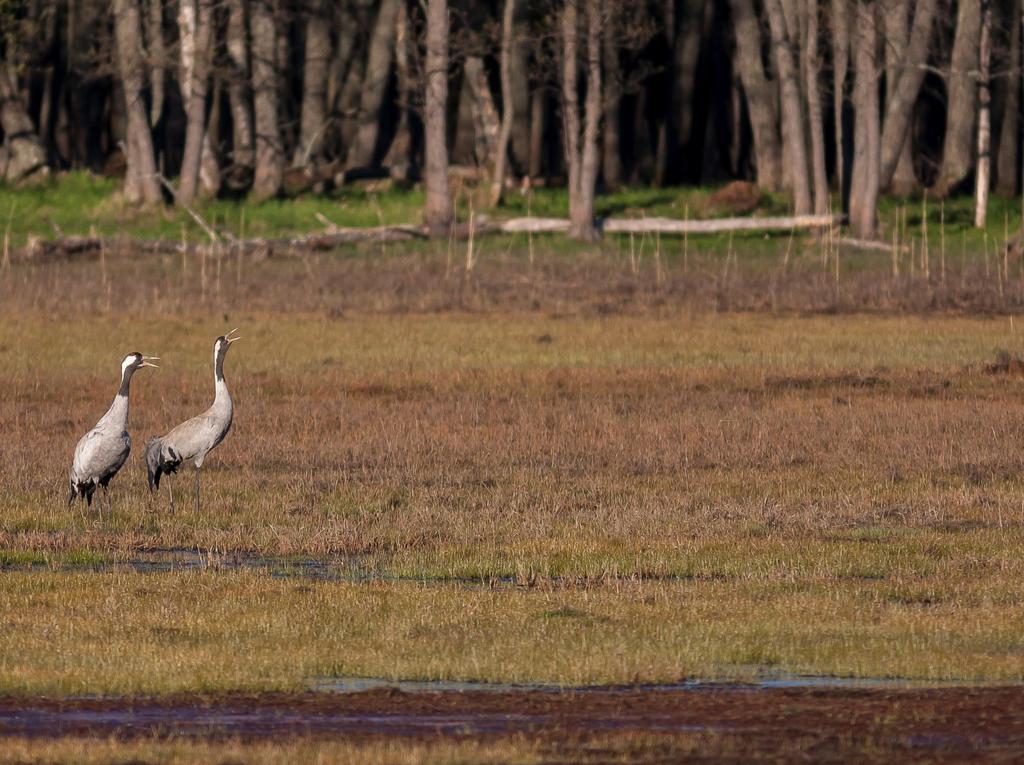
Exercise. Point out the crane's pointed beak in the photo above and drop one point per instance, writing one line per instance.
(146, 361)
(229, 337)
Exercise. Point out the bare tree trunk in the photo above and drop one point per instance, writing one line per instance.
(507, 104)
(195, 25)
(314, 86)
(520, 65)
(895, 25)
(347, 105)
(866, 138)
(686, 49)
(581, 148)
(438, 212)
(983, 175)
(537, 98)
(141, 182)
(463, 150)
(961, 108)
(792, 112)
(896, 17)
(812, 69)
(269, 149)
(239, 96)
(283, 12)
(591, 159)
(362, 152)
(26, 154)
(611, 161)
(1006, 166)
(341, 56)
(486, 123)
(760, 93)
(907, 72)
(399, 157)
(840, 67)
(570, 102)
(157, 58)
(795, 35)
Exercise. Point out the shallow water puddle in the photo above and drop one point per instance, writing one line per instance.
(337, 568)
(958, 719)
(224, 722)
(387, 714)
(361, 684)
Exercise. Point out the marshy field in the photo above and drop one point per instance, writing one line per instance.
(726, 499)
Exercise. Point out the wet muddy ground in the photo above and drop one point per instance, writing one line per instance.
(729, 722)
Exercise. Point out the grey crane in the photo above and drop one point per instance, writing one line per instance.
(103, 450)
(193, 439)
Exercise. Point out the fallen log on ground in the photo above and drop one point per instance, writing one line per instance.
(672, 225)
(69, 247)
(716, 225)
(869, 245)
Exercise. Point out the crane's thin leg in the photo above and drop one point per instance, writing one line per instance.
(110, 505)
(170, 493)
(198, 469)
(80, 506)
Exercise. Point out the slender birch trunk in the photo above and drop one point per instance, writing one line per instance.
(157, 58)
(438, 213)
(793, 135)
(908, 73)
(141, 183)
(195, 23)
(760, 94)
(840, 67)
(269, 148)
(581, 146)
(313, 111)
(982, 176)
(239, 93)
(866, 152)
(507, 104)
(486, 122)
(379, 57)
(817, 131)
(961, 108)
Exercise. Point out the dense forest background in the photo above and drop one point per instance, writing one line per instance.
(833, 102)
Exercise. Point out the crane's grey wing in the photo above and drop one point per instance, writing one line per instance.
(85, 453)
(192, 437)
(100, 454)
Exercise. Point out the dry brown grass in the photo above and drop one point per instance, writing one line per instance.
(102, 751)
(511, 444)
(858, 459)
(617, 276)
(88, 633)
(726, 725)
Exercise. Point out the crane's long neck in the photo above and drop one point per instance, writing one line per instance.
(118, 411)
(221, 397)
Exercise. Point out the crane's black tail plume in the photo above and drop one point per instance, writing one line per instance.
(160, 461)
(84, 490)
